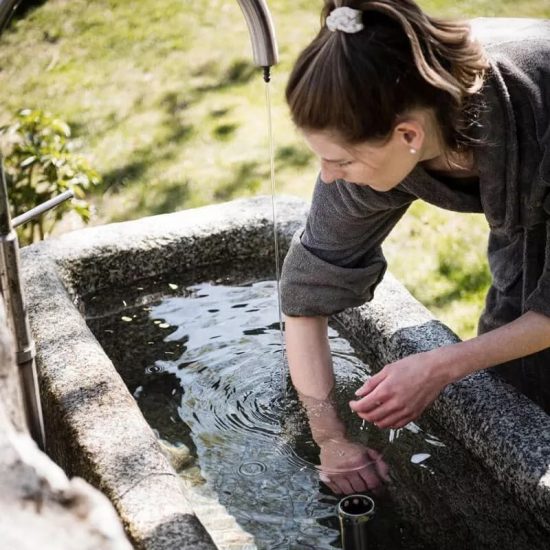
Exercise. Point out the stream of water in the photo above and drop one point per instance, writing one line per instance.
(271, 149)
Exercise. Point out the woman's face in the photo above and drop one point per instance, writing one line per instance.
(380, 166)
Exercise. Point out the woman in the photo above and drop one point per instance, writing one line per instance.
(398, 106)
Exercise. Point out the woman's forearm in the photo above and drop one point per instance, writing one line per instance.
(309, 356)
(528, 334)
(401, 391)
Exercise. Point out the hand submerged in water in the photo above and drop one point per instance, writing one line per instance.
(348, 467)
(400, 392)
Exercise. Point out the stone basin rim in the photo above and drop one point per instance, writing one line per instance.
(504, 429)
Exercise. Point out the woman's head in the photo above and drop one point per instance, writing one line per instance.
(380, 165)
(359, 86)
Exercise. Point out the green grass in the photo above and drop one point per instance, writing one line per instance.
(164, 101)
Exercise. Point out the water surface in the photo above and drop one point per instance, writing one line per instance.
(204, 363)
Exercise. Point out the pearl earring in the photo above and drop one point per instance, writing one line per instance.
(412, 151)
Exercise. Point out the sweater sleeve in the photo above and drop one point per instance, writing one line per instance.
(539, 299)
(336, 262)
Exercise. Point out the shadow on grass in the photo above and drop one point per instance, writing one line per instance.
(225, 132)
(119, 177)
(248, 177)
(292, 156)
(172, 198)
(239, 72)
(218, 113)
(165, 149)
(174, 104)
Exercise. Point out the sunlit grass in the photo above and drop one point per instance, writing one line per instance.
(165, 103)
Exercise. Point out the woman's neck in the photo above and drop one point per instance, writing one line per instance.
(453, 163)
(436, 156)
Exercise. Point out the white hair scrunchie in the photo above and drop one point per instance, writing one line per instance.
(345, 19)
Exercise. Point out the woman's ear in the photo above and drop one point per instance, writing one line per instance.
(410, 133)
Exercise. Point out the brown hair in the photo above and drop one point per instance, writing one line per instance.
(358, 84)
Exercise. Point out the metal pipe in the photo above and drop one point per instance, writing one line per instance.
(24, 343)
(5, 219)
(355, 512)
(15, 304)
(41, 208)
(262, 34)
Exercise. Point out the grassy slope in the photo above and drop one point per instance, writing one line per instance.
(163, 100)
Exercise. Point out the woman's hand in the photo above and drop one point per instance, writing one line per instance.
(348, 467)
(400, 392)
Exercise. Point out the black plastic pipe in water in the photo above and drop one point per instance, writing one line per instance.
(355, 512)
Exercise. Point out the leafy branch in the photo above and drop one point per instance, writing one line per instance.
(40, 164)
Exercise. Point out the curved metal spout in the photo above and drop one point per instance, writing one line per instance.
(262, 32)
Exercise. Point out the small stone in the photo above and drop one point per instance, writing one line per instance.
(127, 319)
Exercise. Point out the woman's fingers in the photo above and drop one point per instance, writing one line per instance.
(401, 395)
(368, 404)
(370, 384)
(329, 482)
(358, 482)
(352, 482)
(377, 414)
(370, 477)
(344, 485)
(395, 421)
(382, 469)
(348, 467)
(389, 418)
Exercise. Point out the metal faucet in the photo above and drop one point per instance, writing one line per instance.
(262, 34)
(12, 292)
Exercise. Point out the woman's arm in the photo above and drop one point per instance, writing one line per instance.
(309, 358)
(401, 391)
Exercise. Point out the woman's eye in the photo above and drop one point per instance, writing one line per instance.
(347, 163)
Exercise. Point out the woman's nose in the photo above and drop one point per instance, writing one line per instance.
(328, 174)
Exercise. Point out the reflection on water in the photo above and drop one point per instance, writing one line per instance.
(204, 363)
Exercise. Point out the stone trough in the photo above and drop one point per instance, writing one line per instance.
(96, 431)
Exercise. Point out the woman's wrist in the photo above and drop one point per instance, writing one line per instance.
(449, 363)
(324, 420)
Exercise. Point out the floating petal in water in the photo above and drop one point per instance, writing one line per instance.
(420, 457)
(435, 443)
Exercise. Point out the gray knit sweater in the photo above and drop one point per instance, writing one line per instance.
(337, 261)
